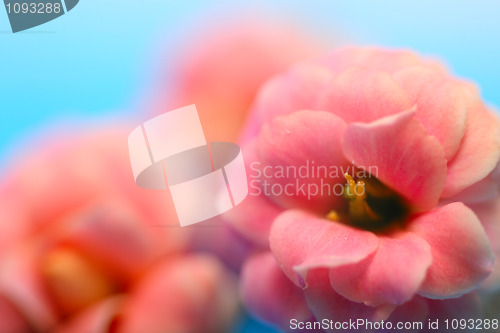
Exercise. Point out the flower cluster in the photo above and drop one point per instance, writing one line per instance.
(374, 198)
(423, 228)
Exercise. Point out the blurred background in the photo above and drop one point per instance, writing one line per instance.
(103, 59)
(111, 60)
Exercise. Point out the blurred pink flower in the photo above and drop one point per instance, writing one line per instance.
(221, 68)
(415, 232)
(83, 249)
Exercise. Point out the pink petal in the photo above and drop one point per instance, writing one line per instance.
(97, 319)
(222, 68)
(292, 91)
(268, 293)
(461, 253)
(79, 172)
(325, 303)
(483, 191)
(380, 59)
(254, 216)
(185, 294)
(441, 104)
(489, 215)
(224, 242)
(405, 157)
(13, 320)
(14, 226)
(115, 235)
(362, 95)
(479, 150)
(21, 283)
(304, 140)
(301, 242)
(391, 275)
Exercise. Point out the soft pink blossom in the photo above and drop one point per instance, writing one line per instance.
(83, 249)
(220, 68)
(435, 146)
(222, 65)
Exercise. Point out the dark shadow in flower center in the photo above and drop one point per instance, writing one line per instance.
(372, 206)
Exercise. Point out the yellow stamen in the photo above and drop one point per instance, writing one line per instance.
(358, 207)
(351, 183)
(360, 190)
(333, 216)
(370, 204)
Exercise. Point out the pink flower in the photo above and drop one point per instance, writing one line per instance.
(220, 69)
(269, 294)
(83, 248)
(421, 149)
(222, 66)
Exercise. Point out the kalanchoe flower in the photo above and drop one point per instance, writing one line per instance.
(81, 250)
(222, 67)
(411, 232)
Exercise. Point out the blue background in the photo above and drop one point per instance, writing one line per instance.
(99, 59)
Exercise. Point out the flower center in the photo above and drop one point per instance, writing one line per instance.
(73, 281)
(371, 205)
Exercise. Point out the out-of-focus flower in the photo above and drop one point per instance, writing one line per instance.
(222, 67)
(83, 249)
(220, 70)
(420, 150)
